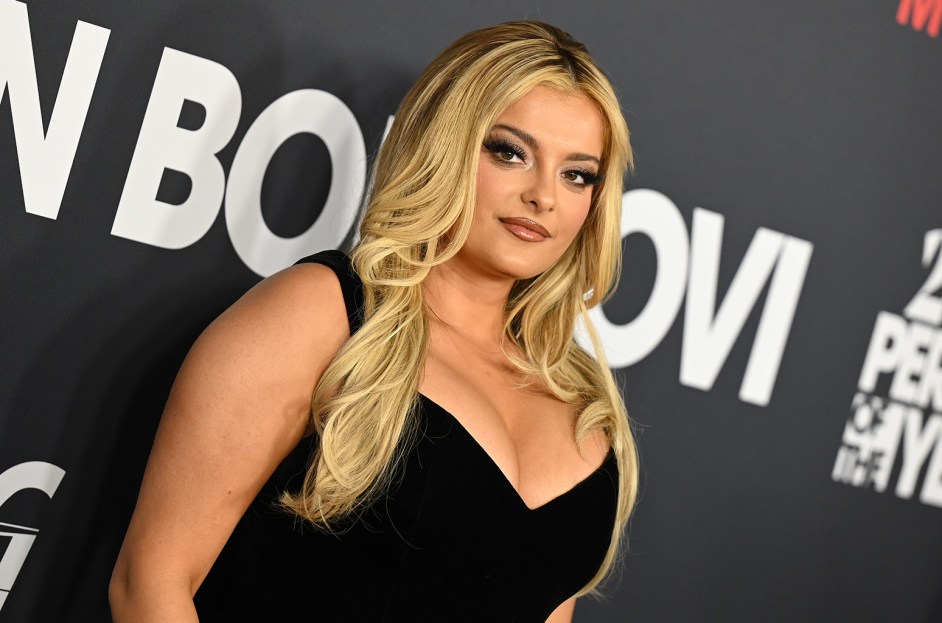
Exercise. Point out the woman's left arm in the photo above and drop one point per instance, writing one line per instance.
(563, 613)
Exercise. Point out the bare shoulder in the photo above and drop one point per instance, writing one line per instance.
(274, 343)
(595, 448)
(239, 404)
(303, 302)
(256, 366)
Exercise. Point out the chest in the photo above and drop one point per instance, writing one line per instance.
(449, 540)
(527, 432)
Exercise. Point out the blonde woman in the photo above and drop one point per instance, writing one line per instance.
(468, 460)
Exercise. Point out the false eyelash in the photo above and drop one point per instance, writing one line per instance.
(499, 145)
(591, 179)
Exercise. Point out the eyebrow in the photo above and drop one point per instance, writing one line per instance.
(533, 144)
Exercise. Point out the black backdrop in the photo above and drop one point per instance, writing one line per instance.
(777, 327)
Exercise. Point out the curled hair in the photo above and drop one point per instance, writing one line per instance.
(418, 216)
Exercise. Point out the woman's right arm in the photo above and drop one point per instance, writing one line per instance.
(238, 406)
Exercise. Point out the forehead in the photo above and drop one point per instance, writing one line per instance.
(569, 122)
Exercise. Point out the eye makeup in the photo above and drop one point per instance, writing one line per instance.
(588, 178)
(499, 147)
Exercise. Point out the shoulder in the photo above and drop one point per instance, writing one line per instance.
(282, 333)
(240, 403)
(595, 447)
(306, 296)
(301, 302)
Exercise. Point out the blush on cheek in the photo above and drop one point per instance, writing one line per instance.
(485, 181)
(583, 217)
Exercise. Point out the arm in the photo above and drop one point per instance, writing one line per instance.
(563, 612)
(238, 406)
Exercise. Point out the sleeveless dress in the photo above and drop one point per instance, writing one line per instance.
(450, 541)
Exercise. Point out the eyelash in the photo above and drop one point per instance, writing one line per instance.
(499, 146)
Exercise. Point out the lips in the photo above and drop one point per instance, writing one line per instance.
(525, 229)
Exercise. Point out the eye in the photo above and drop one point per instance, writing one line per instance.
(504, 151)
(581, 177)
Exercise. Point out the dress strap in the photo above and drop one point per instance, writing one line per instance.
(350, 284)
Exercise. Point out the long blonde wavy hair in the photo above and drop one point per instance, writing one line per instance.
(418, 216)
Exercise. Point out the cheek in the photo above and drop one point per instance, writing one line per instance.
(487, 185)
(577, 215)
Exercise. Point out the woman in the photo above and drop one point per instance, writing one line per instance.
(470, 461)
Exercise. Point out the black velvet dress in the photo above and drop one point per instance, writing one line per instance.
(451, 540)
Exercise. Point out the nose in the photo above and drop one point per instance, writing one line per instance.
(540, 190)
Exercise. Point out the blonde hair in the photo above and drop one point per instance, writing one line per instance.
(418, 216)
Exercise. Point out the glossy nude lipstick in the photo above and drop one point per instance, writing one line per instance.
(525, 229)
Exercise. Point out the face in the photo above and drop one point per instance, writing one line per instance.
(539, 164)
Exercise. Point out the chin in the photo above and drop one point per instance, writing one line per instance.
(508, 260)
(525, 268)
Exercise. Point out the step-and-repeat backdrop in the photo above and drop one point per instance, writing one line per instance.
(778, 328)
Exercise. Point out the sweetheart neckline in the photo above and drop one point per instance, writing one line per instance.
(516, 494)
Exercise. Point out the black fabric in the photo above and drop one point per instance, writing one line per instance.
(450, 541)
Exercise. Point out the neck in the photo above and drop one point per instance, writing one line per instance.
(467, 303)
